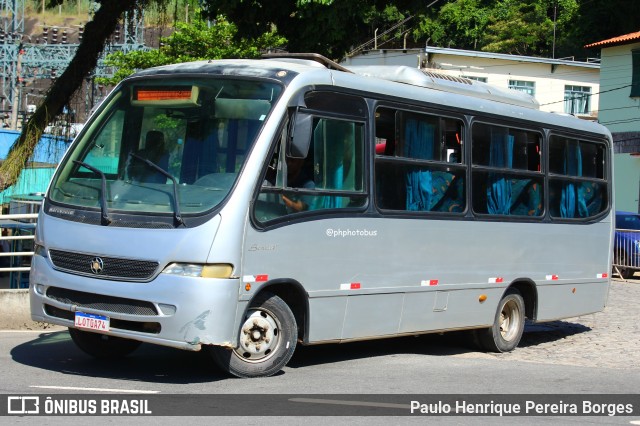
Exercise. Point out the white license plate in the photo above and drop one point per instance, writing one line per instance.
(92, 322)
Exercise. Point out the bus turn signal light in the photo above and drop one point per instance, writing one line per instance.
(217, 270)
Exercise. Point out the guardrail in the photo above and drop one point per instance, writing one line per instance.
(626, 252)
(19, 259)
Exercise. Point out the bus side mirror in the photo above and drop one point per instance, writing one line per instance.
(300, 135)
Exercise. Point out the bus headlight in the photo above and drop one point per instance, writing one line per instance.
(215, 270)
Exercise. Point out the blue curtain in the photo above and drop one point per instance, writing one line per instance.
(419, 138)
(573, 198)
(334, 144)
(499, 189)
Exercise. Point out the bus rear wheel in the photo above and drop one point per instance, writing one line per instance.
(267, 340)
(626, 273)
(508, 325)
(101, 345)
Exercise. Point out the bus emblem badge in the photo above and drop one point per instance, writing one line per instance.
(97, 265)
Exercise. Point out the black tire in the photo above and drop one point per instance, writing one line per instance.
(267, 340)
(626, 273)
(508, 325)
(101, 345)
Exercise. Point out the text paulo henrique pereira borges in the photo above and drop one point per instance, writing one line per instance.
(530, 408)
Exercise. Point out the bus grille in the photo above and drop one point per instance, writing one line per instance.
(113, 267)
(101, 303)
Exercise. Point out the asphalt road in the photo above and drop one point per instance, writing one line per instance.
(592, 355)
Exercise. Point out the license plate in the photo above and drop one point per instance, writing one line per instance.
(92, 322)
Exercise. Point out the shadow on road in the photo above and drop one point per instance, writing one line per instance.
(149, 363)
(55, 351)
(536, 334)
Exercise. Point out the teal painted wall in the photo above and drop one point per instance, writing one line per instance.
(627, 182)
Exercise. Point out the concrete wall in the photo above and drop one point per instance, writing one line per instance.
(15, 312)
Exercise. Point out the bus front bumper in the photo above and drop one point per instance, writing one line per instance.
(176, 311)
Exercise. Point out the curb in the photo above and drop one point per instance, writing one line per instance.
(15, 312)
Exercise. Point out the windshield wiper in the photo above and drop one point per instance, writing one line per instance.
(176, 204)
(104, 211)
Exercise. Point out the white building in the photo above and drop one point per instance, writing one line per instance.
(620, 112)
(559, 85)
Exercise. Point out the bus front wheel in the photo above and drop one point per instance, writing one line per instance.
(102, 345)
(267, 340)
(508, 325)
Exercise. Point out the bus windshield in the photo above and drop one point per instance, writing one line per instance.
(171, 147)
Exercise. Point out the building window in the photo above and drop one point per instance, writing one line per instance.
(635, 76)
(528, 87)
(577, 99)
(480, 79)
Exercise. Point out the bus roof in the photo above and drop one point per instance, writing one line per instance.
(399, 81)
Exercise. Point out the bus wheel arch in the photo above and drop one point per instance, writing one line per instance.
(295, 296)
(529, 293)
(268, 332)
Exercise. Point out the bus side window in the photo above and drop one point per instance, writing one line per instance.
(507, 178)
(423, 171)
(577, 185)
(334, 164)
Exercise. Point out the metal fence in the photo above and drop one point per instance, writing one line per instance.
(626, 252)
(17, 248)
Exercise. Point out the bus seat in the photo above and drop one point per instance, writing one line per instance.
(589, 199)
(154, 151)
(528, 200)
(448, 193)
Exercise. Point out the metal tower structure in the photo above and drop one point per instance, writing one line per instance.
(30, 62)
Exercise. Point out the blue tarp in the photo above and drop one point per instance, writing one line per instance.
(48, 153)
(49, 149)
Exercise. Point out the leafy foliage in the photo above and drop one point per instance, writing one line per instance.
(192, 42)
(529, 27)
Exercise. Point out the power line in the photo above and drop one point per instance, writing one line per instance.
(373, 40)
(590, 94)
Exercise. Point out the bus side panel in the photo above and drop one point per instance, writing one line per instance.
(326, 317)
(372, 315)
(570, 300)
(411, 259)
(441, 310)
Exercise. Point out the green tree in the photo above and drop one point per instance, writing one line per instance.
(459, 24)
(191, 42)
(334, 27)
(331, 28)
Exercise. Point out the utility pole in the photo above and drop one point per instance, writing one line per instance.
(555, 10)
(15, 96)
(24, 61)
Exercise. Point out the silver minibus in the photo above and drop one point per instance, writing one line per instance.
(244, 207)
